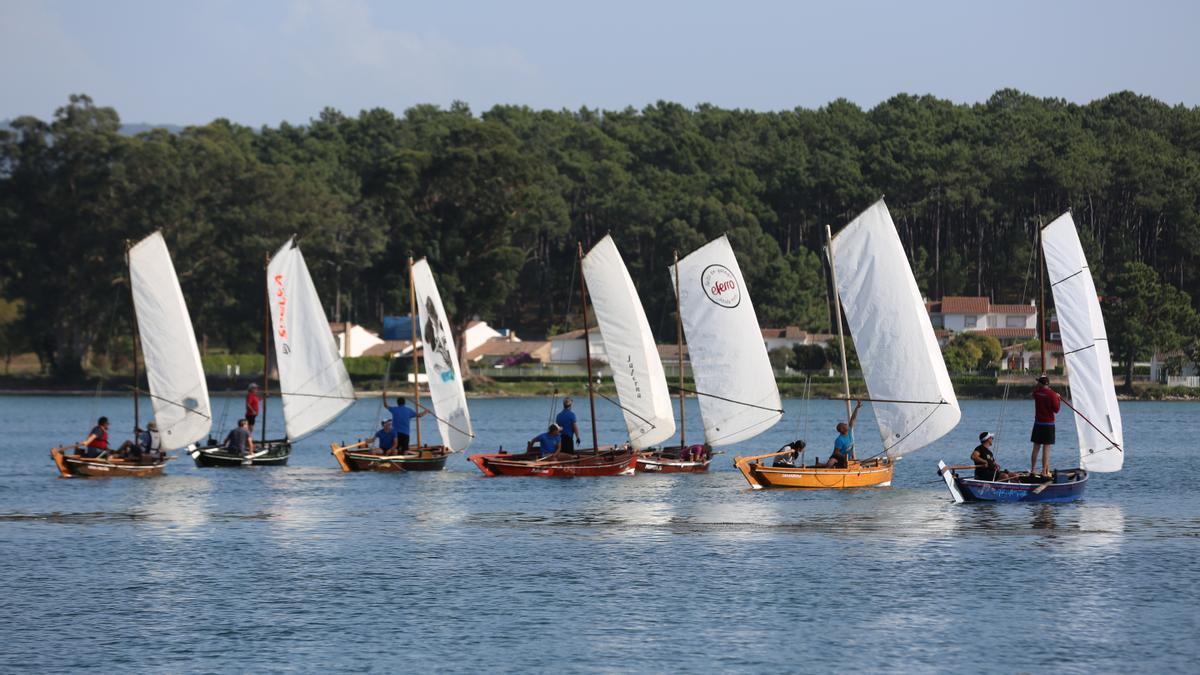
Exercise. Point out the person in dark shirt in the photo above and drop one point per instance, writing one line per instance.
(146, 444)
(386, 438)
(569, 424)
(986, 467)
(547, 443)
(239, 441)
(96, 444)
(788, 461)
(1046, 404)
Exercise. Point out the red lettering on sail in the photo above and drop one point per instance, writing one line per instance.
(281, 304)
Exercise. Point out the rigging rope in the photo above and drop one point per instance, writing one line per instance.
(729, 400)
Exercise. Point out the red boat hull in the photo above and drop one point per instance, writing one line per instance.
(608, 462)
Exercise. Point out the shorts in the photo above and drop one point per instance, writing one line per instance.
(1043, 434)
(250, 419)
(402, 442)
(567, 444)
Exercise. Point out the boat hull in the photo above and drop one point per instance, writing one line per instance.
(587, 462)
(359, 458)
(667, 461)
(213, 456)
(1068, 486)
(870, 473)
(72, 466)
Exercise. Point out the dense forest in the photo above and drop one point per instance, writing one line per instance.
(497, 202)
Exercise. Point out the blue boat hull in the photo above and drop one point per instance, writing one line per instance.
(1068, 486)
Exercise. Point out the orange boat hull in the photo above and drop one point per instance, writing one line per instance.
(869, 473)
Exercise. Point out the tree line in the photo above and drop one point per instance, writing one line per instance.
(497, 202)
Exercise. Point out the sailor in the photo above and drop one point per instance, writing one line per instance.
(567, 421)
(402, 417)
(386, 438)
(97, 441)
(239, 441)
(696, 453)
(547, 443)
(788, 461)
(986, 467)
(1046, 403)
(843, 445)
(145, 444)
(253, 405)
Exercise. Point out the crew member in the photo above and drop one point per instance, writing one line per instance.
(1046, 403)
(843, 445)
(569, 424)
(986, 467)
(253, 406)
(386, 438)
(402, 417)
(547, 443)
(788, 461)
(239, 441)
(97, 441)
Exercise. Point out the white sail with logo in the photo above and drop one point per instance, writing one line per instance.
(632, 353)
(1085, 345)
(441, 361)
(315, 385)
(899, 353)
(738, 395)
(179, 392)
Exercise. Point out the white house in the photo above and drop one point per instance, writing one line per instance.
(791, 336)
(479, 332)
(569, 347)
(1009, 324)
(353, 340)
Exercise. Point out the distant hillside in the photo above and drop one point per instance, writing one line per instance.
(126, 129)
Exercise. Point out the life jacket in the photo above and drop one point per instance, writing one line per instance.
(101, 438)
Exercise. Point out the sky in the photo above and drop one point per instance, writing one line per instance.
(260, 62)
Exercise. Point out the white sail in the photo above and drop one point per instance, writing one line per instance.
(315, 385)
(738, 395)
(1085, 344)
(632, 352)
(179, 391)
(896, 346)
(441, 361)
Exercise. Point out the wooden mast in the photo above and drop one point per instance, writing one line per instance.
(837, 310)
(266, 345)
(1042, 297)
(412, 303)
(587, 347)
(679, 345)
(137, 421)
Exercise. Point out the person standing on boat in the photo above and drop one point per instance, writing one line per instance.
(1046, 403)
(97, 441)
(402, 417)
(547, 443)
(253, 405)
(986, 467)
(386, 437)
(843, 445)
(239, 441)
(569, 423)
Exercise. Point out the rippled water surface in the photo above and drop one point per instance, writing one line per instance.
(305, 568)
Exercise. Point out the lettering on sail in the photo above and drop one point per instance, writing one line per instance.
(637, 386)
(721, 286)
(281, 304)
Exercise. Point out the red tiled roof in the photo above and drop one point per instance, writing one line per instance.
(1007, 332)
(387, 348)
(576, 334)
(792, 332)
(964, 305)
(1012, 309)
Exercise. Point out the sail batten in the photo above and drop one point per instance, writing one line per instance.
(441, 361)
(1085, 348)
(173, 368)
(633, 355)
(315, 386)
(738, 395)
(897, 348)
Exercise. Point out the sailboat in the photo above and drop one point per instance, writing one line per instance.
(734, 380)
(637, 372)
(910, 390)
(445, 388)
(178, 391)
(1089, 367)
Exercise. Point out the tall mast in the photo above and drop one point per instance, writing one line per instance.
(1042, 298)
(587, 347)
(837, 310)
(137, 422)
(266, 344)
(679, 345)
(412, 303)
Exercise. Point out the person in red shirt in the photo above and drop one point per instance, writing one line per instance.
(253, 404)
(1046, 403)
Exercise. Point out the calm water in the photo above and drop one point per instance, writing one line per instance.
(305, 568)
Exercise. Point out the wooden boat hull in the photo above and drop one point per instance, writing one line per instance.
(72, 465)
(1067, 486)
(210, 456)
(870, 473)
(667, 461)
(587, 462)
(359, 458)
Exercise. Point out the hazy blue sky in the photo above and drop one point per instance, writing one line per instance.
(263, 61)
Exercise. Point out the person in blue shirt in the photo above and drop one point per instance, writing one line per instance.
(843, 445)
(386, 438)
(567, 421)
(547, 443)
(402, 417)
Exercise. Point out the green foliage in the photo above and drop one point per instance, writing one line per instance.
(780, 357)
(1145, 314)
(972, 352)
(809, 357)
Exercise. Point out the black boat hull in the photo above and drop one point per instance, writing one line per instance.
(213, 456)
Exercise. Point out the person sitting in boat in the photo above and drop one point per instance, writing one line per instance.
(547, 444)
(788, 461)
(569, 423)
(253, 405)
(386, 438)
(1046, 403)
(147, 444)
(696, 453)
(402, 417)
(96, 444)
(843, 445)
(238, 441)
(986, 467)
